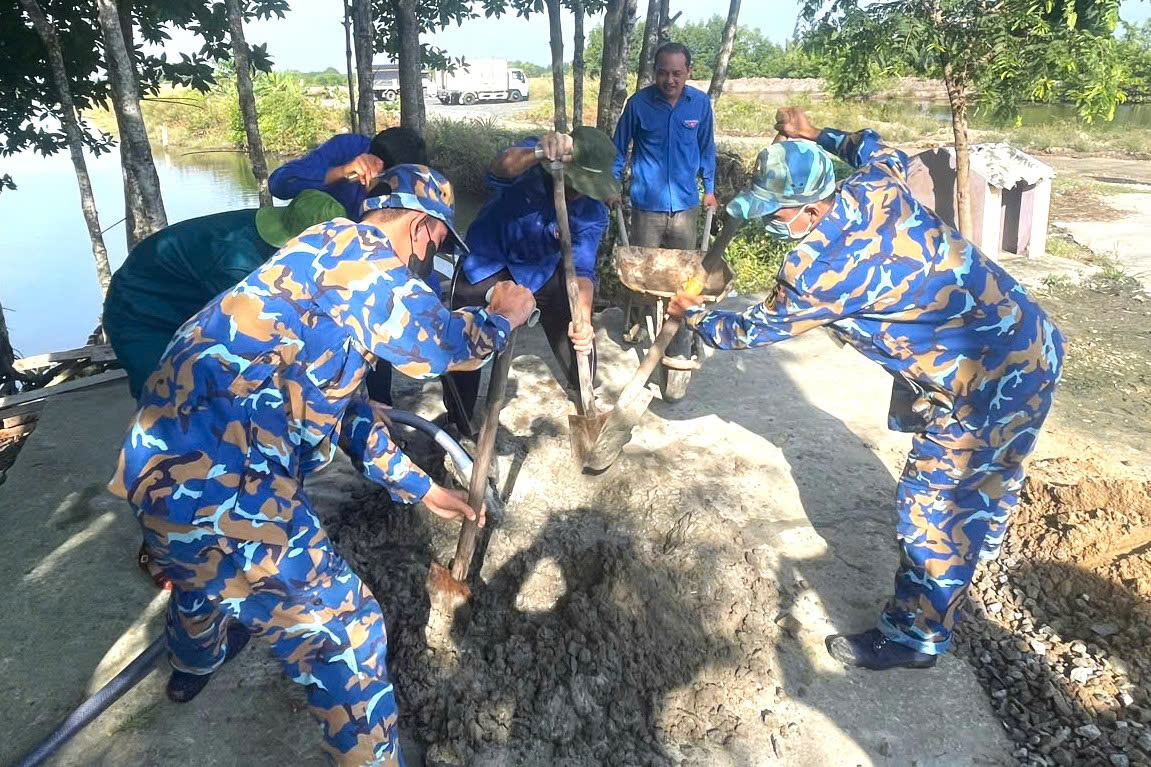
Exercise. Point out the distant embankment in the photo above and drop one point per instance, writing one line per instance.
(911, 88)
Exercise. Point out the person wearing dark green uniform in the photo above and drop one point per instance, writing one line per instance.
(174, 273)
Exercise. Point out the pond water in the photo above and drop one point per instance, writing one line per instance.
(1126, 115)
(48, 281)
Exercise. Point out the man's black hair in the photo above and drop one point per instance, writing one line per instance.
(399, 146)
(672, 49)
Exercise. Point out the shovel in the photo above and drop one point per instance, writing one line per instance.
(448, 589)
(635, 397)
(586, 423)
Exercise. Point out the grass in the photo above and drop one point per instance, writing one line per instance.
(462, 150)
(290, 120)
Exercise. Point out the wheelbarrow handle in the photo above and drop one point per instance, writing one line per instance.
(705, 238)
(622, 226)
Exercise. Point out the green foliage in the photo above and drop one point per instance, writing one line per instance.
(464, 149)
(997, 55)
(1134, 51)
(288, 118)
(753, 55)
(756, 257)
(329, 78)
(532, 70)
(30, 105)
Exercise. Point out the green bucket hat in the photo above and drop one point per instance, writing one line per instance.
(591, 171)
(310, 207)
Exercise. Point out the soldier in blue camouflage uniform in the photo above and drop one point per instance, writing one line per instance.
(253, 394)
(975, 360)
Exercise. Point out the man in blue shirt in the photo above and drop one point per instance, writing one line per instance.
(671, 130)
(328, 167)
(516, 237)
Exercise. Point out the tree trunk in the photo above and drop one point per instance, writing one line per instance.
(135, 152)
(362, 28)
(353, 123)
(71, 125)
(665, 20)
(557, 40)
(958, 97)
(248, 101)
(608, 69)
(134, 229)
(410, 66)
(577, 65)
(721, 61)
(646, 74)
(623, 43)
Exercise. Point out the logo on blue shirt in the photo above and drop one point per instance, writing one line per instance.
(691, 123)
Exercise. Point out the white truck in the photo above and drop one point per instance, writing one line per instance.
(481, 80)
(386, 82)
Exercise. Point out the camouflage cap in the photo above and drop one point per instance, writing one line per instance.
(787, 175)
(420, 188)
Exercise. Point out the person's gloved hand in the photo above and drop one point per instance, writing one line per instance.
(555, 146)
(515, 302)
(452, 505)
(681, 302)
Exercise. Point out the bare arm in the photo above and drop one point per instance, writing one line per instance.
(515, 161)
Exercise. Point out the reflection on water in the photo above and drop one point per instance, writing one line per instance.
(47, 278)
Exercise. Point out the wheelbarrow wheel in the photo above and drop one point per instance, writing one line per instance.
(673, 384)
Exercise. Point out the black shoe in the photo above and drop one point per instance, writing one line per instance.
(871, 649)
(182, 686)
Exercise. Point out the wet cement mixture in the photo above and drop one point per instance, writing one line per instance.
(584, 645)
(1061, 631)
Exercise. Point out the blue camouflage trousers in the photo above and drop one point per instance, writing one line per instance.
(323, 623)
(955, 498)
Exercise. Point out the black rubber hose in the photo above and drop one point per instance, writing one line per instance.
(459, 456)
(135, 671)
(95, 705)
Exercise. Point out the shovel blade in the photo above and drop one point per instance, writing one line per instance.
(584, 430)
(613, 431)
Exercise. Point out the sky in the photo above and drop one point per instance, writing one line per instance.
(319, 24)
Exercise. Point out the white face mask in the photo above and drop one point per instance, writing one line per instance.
(781, 229)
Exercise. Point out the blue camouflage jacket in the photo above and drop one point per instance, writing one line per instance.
(888, 276)
(257, 389)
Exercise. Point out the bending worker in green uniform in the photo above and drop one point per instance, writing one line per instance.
(175, 272)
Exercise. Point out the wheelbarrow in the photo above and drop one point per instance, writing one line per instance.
(652, 276)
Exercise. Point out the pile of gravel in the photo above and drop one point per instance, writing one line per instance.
(1060, 634)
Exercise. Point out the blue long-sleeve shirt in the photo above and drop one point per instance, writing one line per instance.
(516, 229)
(671, 148)
(308, 172)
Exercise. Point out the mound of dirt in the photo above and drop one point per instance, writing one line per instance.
(1061, 635)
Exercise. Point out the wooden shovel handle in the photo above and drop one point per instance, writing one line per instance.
(585, 405)
(485, 447)
(671, 326)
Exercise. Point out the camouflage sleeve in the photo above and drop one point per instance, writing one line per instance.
(863, 148)
(434, 340)
(838, 288)
(776, 319)
(400, 320)
(367, 441)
